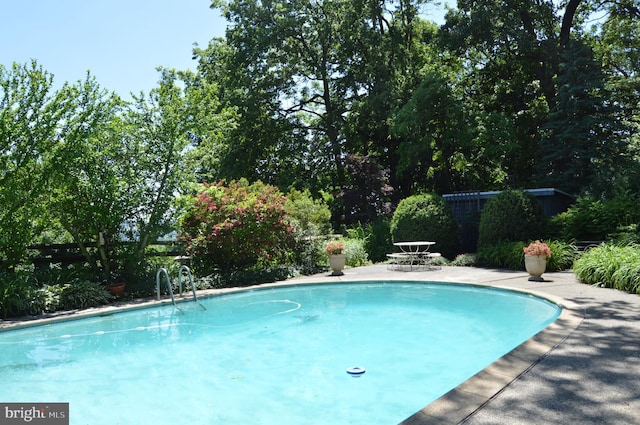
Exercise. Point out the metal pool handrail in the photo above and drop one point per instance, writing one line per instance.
(163, 272)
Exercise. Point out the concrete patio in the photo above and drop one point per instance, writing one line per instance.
(583, 369)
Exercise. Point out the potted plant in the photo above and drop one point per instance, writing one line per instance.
(116, 288)
(337, 259)
(535, 259)
(115, 285)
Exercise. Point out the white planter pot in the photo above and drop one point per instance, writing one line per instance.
(337, 262)
(535, 266)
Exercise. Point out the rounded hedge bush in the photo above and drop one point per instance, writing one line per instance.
(426, 217)
(512, 215)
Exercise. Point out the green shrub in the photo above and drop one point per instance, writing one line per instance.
(564, 254)
(464, 260)
(503, 255)
(376, 236)
(509, 255)
(22, 295)
(426, 217)
(245, 277)
(610, 266)
(307, 214)
(84, 294)
(378, 242)
(310, 221)
(439, 262)
(236, 226)
(627, 277)
(307, 255)
(17, 294)
(627, 235)
(355, 252)
(592, 219)
(55, 274)
(556, 226)
(140, 277)
(510, 216)
(50, 296)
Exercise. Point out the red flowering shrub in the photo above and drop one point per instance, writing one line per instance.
(236, 226)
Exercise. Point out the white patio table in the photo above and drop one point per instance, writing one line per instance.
(411, 253)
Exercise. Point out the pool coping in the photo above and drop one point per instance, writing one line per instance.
(455, 406)
(463, 401)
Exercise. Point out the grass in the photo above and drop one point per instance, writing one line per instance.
(610, 266)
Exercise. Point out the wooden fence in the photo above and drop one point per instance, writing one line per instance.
(65, 254)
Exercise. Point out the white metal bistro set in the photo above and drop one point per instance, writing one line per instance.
(412, 255)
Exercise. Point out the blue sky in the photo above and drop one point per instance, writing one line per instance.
(120, 41)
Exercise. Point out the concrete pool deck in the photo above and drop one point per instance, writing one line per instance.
(583, 369)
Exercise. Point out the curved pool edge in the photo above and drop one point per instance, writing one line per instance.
(473, 394)
(451, 408)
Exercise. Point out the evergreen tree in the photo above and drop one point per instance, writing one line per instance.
(584, 142)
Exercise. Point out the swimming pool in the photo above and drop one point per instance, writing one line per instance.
(272, 356)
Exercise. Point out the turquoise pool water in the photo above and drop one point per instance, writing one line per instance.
(272, 356)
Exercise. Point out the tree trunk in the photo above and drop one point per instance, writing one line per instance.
(567, 22)
(83, 249)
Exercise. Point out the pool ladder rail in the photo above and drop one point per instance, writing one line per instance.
(184, 269)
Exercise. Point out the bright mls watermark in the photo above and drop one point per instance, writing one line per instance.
(34, 413)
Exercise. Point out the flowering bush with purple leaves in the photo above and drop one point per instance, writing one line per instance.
(235, 226)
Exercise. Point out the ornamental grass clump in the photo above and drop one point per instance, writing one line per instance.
(537, 248)
(610, 266)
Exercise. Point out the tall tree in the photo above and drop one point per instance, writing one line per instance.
(583, 139)
(160, 129)
(120, 166)
(30, 116)
(297, 71)
(259, 143)
(507, 78)
(432, 130)
(88, 191)
(404, 55)
(517, 54)
(615, 43)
